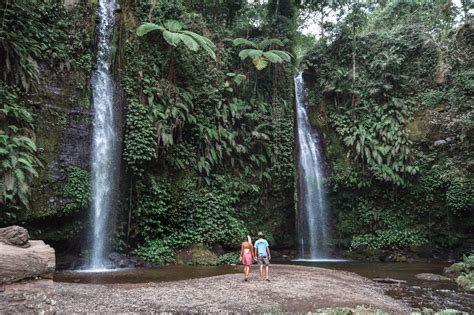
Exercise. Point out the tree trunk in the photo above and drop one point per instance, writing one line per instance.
(354, 100)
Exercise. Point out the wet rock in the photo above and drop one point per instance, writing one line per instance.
(393, 257)
(466, 282)
(389, 280)
(123, 261)
(114, 257)
(432, 277)
(454, 270)
(217, 249)
(440, 142)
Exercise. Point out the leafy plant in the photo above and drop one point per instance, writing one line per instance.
(227, 259)
(175, 36)
(155, 251)
(140, 142)
(17, 150)
(259, 52)
(77, 188)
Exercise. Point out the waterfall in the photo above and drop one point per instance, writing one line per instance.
(312, 210)
(104, 140)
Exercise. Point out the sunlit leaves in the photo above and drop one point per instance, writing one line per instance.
(260, 63)
(261, 58)
(174, 34)
(145, 28)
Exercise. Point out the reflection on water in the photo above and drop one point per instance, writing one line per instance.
(143, 275)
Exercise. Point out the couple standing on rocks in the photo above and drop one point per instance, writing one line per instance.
(259, 252)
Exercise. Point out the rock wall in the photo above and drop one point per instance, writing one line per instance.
(63, 130)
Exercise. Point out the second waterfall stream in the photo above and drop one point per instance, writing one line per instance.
(312, 208)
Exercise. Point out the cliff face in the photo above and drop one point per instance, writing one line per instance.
(63, 114)
(398, 138)
(63, 129)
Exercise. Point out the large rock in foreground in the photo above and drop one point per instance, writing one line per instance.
(14, 235)
(18, 263)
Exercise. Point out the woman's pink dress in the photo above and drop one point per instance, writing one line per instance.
(247, 257)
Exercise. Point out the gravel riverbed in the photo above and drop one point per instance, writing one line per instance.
(291, 289)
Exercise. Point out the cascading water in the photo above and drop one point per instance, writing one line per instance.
(312, 210)
(104, 140)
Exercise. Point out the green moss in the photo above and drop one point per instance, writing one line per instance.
(418, 127)
(195, 255)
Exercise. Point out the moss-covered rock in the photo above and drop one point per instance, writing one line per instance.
(466, 282)
(454, 270)
(195, 255)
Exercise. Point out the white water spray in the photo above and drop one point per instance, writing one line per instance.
(312, 227)
(104, 140)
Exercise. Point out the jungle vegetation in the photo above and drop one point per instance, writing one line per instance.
(208, 126)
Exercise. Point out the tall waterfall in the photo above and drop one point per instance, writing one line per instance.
(312, 210)
(104, 141)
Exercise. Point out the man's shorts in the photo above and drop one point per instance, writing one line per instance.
(263, 260)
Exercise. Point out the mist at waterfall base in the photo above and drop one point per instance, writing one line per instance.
(105, 147)
(313, 232)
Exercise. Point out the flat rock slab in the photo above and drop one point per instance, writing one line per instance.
(431, 277)
(28, 297)
(18, 263)
(291, 289)
(389, 280)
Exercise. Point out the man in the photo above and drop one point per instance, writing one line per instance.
(262, 252)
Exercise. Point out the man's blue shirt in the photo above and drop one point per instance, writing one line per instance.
(261, 246)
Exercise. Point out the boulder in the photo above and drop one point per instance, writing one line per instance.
(466, 282)
(431, 277)
(454, 270)
(14, 235)
(440, 142)
(18, 263)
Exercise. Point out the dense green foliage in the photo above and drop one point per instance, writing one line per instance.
(208, 139)
(77, 188)
(17, 152)
(36, 36)
(381, 94)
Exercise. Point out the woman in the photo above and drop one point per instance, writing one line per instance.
(247, 256)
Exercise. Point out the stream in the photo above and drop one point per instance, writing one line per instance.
(417, 293)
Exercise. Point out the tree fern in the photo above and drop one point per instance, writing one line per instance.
(174, 34)
(261, 58)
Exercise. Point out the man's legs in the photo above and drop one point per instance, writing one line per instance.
(266, 271)
(261, 271)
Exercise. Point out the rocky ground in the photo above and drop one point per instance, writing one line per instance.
(291, 289)
(28, 297)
